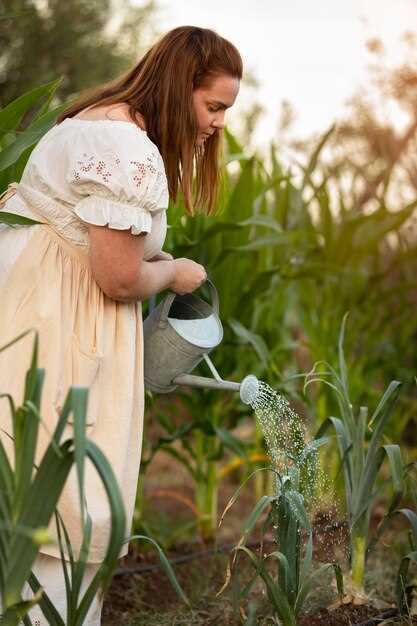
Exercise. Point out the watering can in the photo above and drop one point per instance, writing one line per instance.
(178, 334)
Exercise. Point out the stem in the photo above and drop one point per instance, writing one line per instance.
(260, 478)
(139, 504)
(206, 489)
(289, 620)
(358, 546)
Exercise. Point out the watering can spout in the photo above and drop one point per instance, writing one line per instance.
(248, 388)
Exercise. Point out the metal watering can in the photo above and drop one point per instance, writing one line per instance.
(178, 334)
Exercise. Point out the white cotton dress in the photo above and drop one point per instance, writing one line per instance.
(102, 172)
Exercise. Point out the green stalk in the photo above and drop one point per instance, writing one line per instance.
(206, 489)
(260, 478)
(358, 551)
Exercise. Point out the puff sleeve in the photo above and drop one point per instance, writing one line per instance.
(118, 177)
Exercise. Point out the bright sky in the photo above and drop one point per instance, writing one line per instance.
(309, 53)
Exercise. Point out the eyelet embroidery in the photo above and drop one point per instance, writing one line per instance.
(142, 168)
(85, 166)
(103, 171)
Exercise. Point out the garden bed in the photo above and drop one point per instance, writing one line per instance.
(141, 594)
(147, 598)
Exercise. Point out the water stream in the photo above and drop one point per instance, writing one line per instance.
(286, 439)
(281, 426)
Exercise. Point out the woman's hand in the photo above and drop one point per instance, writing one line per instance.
(188, 276)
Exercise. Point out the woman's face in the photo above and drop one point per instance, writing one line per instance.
(211, 102)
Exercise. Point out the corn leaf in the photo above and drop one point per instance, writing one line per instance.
(11, 115)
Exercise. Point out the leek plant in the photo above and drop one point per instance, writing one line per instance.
(287, 572)
(401, 590)
(362, 453)
(28, 500)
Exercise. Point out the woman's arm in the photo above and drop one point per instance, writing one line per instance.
(118, 266)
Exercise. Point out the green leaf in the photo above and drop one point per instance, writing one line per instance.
(381, 415)
(342, 361)
(12, 114)
(79, 396)
(231, 442)
(312, 164)
(400, 588)
(284, 570)
(345, 447)
(262, 220)
(12, 218)
(256, 341)
(40, 503)
(296, 502)
(257, 511)
(233, 145)
(276, 595)
(235, 496)
(308, 585)
(166, 566)
(29, 137)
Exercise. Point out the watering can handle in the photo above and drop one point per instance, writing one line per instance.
(171, 297)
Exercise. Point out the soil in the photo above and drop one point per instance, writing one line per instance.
(141, 594)
(347, 615)
(147, 598)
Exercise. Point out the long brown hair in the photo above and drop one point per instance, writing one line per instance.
(160, 89)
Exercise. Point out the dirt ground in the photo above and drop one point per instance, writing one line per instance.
(141, 594)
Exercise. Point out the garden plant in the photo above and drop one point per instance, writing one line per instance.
(289, 256)
(288, 522)
(359, 439)
(28, 502)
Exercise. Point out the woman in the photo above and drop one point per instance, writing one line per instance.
(99, 182)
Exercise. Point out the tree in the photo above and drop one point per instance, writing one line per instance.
(371, 155)
(86, 42)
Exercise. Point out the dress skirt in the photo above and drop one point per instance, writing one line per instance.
(85, 338)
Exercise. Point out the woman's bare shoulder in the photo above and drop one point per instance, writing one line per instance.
(117, 112)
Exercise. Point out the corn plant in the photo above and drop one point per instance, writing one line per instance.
(202, 441)
(287, 520)
(249, 234)
(284, 248)
(17, 143)
(362, 453)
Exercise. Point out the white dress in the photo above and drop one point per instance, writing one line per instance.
(102, 172)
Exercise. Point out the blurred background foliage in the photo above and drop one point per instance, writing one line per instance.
(305, 233)
(86, 42)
